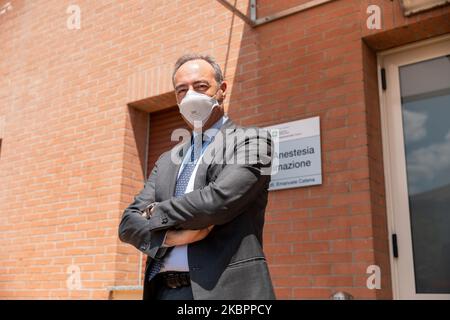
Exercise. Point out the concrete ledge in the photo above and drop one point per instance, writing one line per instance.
(125, 293)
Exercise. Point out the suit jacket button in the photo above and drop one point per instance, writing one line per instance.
(144, 246)
(165, 220)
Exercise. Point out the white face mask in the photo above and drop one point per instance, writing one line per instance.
(197, 107)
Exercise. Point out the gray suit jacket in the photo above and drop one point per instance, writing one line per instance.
(229, 263)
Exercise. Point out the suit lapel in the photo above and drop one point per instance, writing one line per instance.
(168, 175)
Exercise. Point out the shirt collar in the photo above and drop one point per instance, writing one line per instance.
(209, 134)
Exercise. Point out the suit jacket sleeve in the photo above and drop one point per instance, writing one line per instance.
(223, 199)
(135, 229)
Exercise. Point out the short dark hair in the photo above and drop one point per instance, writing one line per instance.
(195, 56)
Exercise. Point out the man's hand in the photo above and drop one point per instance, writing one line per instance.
(182, 237)
(147, 213)
(178, 237)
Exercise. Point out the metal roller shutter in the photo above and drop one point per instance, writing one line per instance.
(162, 124)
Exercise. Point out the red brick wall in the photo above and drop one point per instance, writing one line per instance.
(72, 153)
(378, 228)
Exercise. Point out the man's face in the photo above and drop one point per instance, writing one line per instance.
(198, 75)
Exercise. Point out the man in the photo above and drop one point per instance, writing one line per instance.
(205, 200)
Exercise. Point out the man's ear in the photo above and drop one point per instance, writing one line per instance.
(223, 88)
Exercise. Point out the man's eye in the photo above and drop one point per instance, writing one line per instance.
(202, 87)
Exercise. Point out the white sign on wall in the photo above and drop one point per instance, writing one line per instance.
(297, 157)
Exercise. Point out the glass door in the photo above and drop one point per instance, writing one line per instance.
(416, 140)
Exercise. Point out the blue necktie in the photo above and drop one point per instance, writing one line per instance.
(185, 175)
(180, 188)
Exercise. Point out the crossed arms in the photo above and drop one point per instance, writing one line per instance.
(194, 213)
